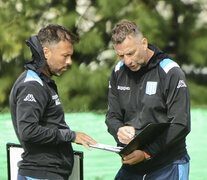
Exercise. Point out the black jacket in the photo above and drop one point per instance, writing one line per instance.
(156, 93)
(39, 122)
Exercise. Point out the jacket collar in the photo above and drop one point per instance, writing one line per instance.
(38, 58)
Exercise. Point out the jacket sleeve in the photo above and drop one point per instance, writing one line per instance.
(114, 116)
(178, 112)
(31, 103)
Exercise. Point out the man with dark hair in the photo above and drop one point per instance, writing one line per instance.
(145, 87)
(36, 110)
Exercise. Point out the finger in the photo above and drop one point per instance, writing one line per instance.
(123, 136)
(128, 157)
(130, 131)
(86, 145)
(125, 141)
(130, 162)
(84, 137)
(124, 131)
(93, 142)
(89, 140)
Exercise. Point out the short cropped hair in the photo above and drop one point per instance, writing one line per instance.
(123, 29)
(53, 34)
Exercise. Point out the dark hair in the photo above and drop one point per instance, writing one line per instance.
(54, 33)
(123, 29)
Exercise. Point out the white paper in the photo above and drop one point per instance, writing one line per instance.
(107, 147)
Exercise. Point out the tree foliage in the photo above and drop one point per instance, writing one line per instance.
(83, 90)
(176, 27)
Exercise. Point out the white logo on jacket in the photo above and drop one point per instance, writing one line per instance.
(181, 83)
(30, 98)
(151, 88)
(123, 88)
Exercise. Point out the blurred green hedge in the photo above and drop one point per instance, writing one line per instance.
(83, 89)
(198, 94)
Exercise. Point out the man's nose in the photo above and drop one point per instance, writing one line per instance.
(127, 60)
(69, 61)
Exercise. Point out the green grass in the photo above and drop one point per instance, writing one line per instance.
(103, 165)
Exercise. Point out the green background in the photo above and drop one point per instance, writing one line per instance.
(103, 165)
(177, 27)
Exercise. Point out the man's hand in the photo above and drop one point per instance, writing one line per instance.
(84, 139)
(134, 158)
(126, 134)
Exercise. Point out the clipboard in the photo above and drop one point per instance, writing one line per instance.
(146, 136)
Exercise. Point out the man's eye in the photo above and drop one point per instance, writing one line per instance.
(130, 54)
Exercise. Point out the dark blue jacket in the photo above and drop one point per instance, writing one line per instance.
(157, 93)
(39, 121)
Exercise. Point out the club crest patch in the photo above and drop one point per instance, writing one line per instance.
(56, 99)
(151, 88)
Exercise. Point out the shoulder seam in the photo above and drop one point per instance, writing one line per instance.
(118, 66)
(32, 76)
(167, 64)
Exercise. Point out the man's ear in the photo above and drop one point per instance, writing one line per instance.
(47, 52)
(145, 43)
